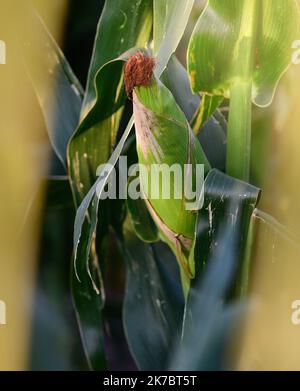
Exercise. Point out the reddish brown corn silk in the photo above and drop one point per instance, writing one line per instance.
(138, 72)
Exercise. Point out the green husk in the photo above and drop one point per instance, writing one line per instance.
(164, 137)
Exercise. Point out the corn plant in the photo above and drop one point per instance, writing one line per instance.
(187, 269)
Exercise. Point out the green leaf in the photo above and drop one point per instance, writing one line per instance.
(218, 50)
(57, 89)
(153, 295)
(83, 272)
(94, 139)
(169, 22)
(89, 147)
(123, 24)
(212, 134)
(95, 193)
(142, 221)
(209, 104)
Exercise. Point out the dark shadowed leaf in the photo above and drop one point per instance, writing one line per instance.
(153, 306)
(59, 195)
(226, 199)
(57, 88)
(55, 340)
(222, 232)
(88, 306)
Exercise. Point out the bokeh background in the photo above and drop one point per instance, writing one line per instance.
(36, 238)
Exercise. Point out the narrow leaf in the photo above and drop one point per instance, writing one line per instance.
(169, 22)
(57, 88)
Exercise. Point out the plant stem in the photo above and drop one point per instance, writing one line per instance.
(239, 122)
(239, 131)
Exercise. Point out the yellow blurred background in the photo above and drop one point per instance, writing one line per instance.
(23, 162)
(271, 338)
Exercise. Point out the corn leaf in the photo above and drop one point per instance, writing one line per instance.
(143, 224)
(169, 22)
(88, 302)
(92, 143)
(123, 24)
(54, 328)
(226, 199)
(209, 104)
(154, 294)
(222, 234)
(175, 78)
(57, 89)
(223, 38)
(211, 134)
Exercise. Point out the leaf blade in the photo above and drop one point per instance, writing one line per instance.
(214, 49)
(57, 89)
